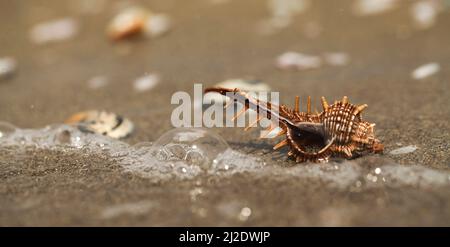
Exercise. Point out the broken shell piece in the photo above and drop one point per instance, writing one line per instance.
(101, 122)
(8, 66)
(425, 71)
(146, 82)
(297, 60)
(135, 20)
(424, 14)
(54, 31)
(128, 22)
(404, 150)
(373, 7)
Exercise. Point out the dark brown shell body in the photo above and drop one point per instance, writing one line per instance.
(337, 131)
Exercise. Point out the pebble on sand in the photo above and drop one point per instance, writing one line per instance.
(425, 71)
(8, 67)
(146, 82)
(54, 31)
(403, 150)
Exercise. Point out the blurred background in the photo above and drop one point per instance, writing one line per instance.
(128, 57)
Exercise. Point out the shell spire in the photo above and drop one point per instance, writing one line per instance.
(324, 103)
(360, 108)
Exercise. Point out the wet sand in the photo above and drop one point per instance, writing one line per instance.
(208, 44)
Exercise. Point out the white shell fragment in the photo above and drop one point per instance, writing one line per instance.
(97, 82)
(135, 20)
(425, 71)
(146, 82)
(372, 7)
(289, 60)
(424, 14)
(8, 66)
(403, 150)
(54, 31)
(101, 122)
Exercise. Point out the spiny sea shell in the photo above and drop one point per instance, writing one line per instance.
(337, 131)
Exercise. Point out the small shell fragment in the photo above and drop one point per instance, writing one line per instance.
(289, 60)
(424, 14)
(146, 82)
(8, 66)
(136, 20)
(54, 31)
(403, 150)
(425, 71)
(101, 122)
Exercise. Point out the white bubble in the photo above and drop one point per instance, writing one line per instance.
(194, 146)
(157, 25)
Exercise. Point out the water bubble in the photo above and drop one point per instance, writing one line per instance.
(143, 148)
(6, 129)
(63, 134)
(63, 137)
(193, 146)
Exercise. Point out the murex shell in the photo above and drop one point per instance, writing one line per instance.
(337, 131)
